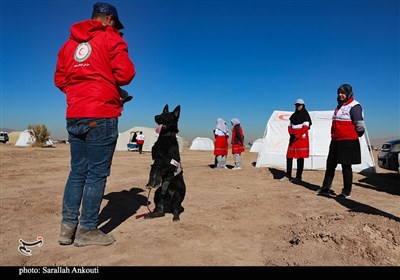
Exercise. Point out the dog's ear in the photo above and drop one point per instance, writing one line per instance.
(165, 110)
(177, 111)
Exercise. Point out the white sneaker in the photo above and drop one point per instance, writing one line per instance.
(284, 179)
(220, 168)
(236, 168)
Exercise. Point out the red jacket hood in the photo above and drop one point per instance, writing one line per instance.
(84, 31)
(92, 85)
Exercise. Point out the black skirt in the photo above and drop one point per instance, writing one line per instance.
(345, 152)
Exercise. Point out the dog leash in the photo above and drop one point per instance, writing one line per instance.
(147, 204)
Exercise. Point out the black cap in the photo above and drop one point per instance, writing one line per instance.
(108, 9)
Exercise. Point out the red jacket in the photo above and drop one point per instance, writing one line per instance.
(301, 147)
(91, 66)
(221, 145)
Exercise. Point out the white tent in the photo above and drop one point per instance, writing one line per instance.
(25, 139)
(202, 144)
(276, 140)
(150, 138)
(257, 145)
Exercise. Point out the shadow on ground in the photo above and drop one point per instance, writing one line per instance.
(121, 206)
(381, 182)
(352, 205)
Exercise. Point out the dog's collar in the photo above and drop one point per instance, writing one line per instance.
(169, 133)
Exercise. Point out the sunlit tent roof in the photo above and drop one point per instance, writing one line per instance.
(25, 139)
(202, 144)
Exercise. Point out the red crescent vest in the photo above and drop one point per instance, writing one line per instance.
(342, 125)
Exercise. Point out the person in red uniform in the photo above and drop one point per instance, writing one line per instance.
(299, 144)
(221, 135)
(347, 126)
(237, 141)
(140, 141)
(92, 66)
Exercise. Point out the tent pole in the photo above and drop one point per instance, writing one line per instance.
(369, 147)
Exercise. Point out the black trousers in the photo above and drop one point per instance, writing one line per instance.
(347, 173)
(289, 167)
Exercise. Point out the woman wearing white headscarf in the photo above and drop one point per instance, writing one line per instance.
(221, 144)
(237, 143)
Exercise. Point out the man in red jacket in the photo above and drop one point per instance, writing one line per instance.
(92, 66)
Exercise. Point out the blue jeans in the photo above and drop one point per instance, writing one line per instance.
(92, 144)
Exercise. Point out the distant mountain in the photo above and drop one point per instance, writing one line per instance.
(7, 129)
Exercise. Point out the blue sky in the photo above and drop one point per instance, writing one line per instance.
(226, 59)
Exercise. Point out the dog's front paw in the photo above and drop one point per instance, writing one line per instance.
(151, 186)
(154, 182)
(154, 177)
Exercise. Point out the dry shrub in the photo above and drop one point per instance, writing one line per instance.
(40, 132)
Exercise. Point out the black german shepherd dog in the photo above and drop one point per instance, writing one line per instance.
(166, 168)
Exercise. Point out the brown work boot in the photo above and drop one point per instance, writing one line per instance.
(67, 234)
(85, 237)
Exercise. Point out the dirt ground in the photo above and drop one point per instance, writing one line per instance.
(232, 217)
